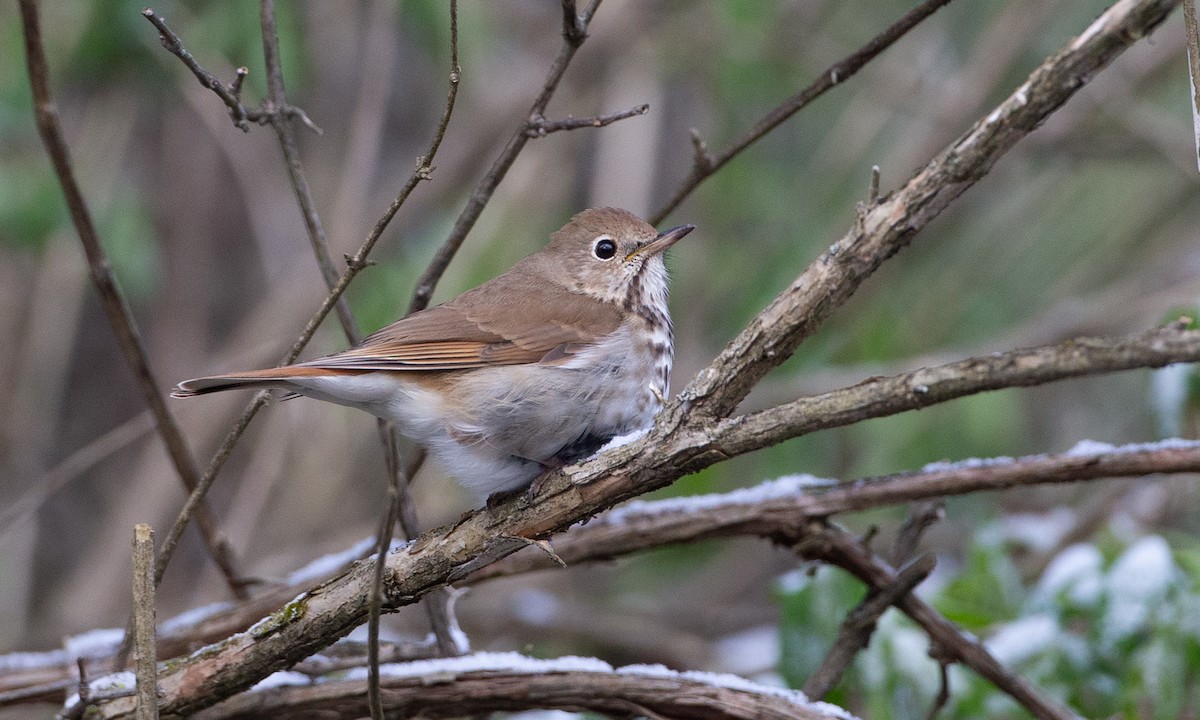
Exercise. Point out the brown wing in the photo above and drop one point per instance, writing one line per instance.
(484, 327)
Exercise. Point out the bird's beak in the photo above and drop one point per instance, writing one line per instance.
(662, 242)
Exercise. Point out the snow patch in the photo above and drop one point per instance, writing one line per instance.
(190, 618)
(283, 678)
(787, 486)
(1136, 583)
(1076, 571)
(94, 643)
(625, 439)
(123, 680)
(967, 464)
(1023, 638)
(332, 563)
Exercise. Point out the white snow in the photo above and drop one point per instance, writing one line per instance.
(1023, 638)
(117, 681)
(195, 616)
(1077, 571)
(967, 464)
(16, 661)
(508, 662)
(332, 563)
(1136, 584)
(1085, 448)
(1039, 531)
(94, 643)
(786, 486)
(751, 651)
(283, 678)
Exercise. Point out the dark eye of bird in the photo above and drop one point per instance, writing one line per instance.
(605, 248)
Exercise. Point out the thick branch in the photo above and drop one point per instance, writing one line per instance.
(882, 396)
(113, 300)
(782, 509)
(514, 683)
(890, 224)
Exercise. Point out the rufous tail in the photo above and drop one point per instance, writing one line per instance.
(270, 378)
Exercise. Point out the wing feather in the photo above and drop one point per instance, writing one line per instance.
(481, 328)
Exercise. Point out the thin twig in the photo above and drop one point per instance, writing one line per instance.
(230, 94)
(279, 121)
(1193, 56)
(856, 630)
(145, 654)
(540, 127)
(837, 547)
(920, 518)
(574, 33)
(943, 693)
(706, 164)
(113, 300)
(355, 265)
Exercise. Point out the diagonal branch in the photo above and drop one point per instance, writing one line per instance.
(678, 443)
(888, 225)
(113, 301)
(575, 27)
(882, 396)
(837, 547)
(705, 164)
(782, 509)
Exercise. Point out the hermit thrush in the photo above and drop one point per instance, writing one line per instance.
(531, 371)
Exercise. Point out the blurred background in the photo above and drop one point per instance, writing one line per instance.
(1086, 227)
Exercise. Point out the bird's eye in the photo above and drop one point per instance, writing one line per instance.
(605, 248)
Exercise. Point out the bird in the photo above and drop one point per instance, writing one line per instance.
(534, 370)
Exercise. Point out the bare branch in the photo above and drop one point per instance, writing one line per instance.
(574, 33)
(230, 94)
(113, 300)
(540, 127)
(783, 508)
(891, 224)
(472, 685)
(839, 548)
(145, 655)
(882, 396)
(706, 164)
(859, 625)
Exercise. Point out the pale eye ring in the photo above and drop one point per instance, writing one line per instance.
(605, 248)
